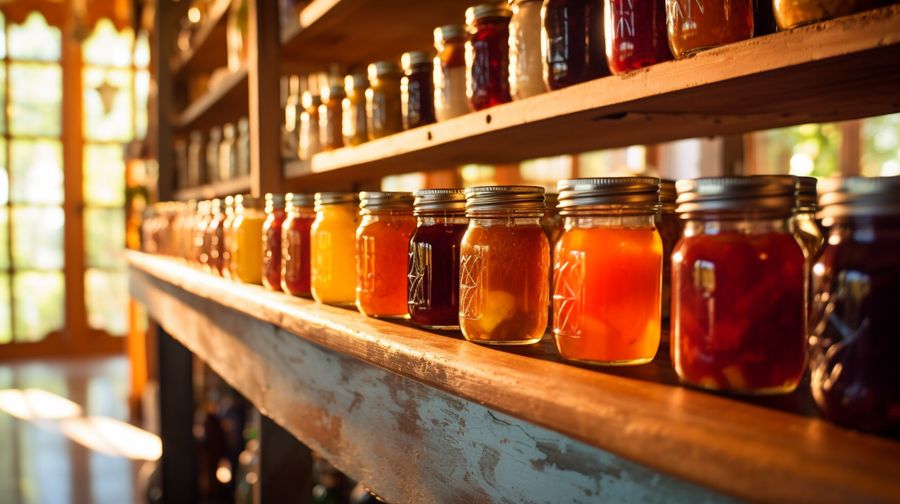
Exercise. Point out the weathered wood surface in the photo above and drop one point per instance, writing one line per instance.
(250, 337)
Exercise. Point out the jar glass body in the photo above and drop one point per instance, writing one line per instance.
(228, 243)
(271, 236)
(450, 98)
(853, 333)
(503, 286)
(196, 160)
(355, 128)
(295, 251)
(526, 71)
(333, 254)
(487, 63)
(793, 13)
(738, 318)
(670, 230)
(242, 149)
(310, 141)
(384, 106)
(247, 245)
(201, 241)
(607, 278)
(808, 234)
(331, 127)
(695, 25)
(635, 33)
(382, 245)
(418, 95)
(212, 157)
(228, 155)
(572, 42)
(216, 233)
(433, 276)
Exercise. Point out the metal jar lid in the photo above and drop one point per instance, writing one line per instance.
(246, 201)
(440, 200)
(382, 68)
(859, 197)
(770, 194)
(624, 191)
(551, 203)
(806, 193)
(356, 81)
(370, 201)
(487, 10)
(411, 58)
(274, 201)
(668, 195)
(487, 199)
(333, 91)
(335, 198)
(442, 33)
(300, 200)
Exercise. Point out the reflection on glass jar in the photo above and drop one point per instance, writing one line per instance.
(417, 89)
(216, 237)
(310, 142)
(333, 248)
(271, 236)
(793, 13)
(695, 25)
(572, 42)
(526, 71)
(806, 228)
(295, 244)
(487, 55)
(354, 125)
(383, 99)
(450, 98)
(670, 229)
(246, 246)
(635, 34)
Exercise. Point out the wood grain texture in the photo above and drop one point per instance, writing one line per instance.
(734, 447)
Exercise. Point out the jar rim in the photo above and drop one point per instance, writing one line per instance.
(859, 197)
(521, 198)
(592, 191)
(771, 194)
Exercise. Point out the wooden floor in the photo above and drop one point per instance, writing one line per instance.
(44, 407)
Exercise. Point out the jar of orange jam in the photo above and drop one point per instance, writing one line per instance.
(695, 25)
(504, 266)
(382, 246)
(607, 271)
(332, 243)
(247, 243)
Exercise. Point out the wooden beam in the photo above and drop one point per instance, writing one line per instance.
(176, 407)
(285, 466)
(264, 86)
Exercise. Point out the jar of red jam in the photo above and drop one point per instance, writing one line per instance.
(417, 89)
(271, 236)
(607, 271)
(855, 378)
(670, 229)
(433, 274)
(806, 228)
(738, 318)
(382, 245)
(635, 33)
(450, 98)
(695, 25)
(793, 13)
(383, 99)
(504, 266)
(572, 42)
(487, 55)
(295, 278)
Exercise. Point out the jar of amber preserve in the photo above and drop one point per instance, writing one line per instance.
(738, 318)
(450, 72)
(504, 266)
(433, 276)
(695, 25)
(793, 13)
(670, 229)
(246, 245)
(805, 226)
(383, 100)
(355, 129)
(487, 55)
(382, 244)
(332, 241)
(331, 117)
(271, 239)
(417, 89)
(855, 285)
(295, 244)
(635, 34)
(607, 271)
(572, 42)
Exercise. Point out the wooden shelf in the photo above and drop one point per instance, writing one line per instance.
(835, 70)
(239, 185)
(208, 45)
(226, 102)
(455, 421)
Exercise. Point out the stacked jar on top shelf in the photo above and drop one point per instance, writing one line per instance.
(221, 155)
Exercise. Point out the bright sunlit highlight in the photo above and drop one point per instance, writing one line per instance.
(36, 404)
(802, 165)
(113, 437)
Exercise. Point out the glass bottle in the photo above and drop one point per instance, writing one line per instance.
(487, 55)
(695, 25)
(382, 244)
(271, 237)
(242, 148)
(215, 234)
(295, 240)
(310, 142)
(246, 244)
(228, 154)
(383, 100)
(433, 275)
(196, 160)
(793, 13)
(450, 98)
(331, 117)
(504, 266)
(526, 71)
(607, 271)
(855, 285)
(417, 89)
(635, 33)
(355, 128)
(738, 317)
(670, 229)
(806, 228)
(333, 248)
(572, 42)
(212, 155)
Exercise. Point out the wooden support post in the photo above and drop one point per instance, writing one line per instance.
(285, 466)
(176, 407)
(264, 86)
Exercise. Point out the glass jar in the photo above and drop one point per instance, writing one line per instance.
(237, 34)
(670, 229)
(805, 226)
(635, 34)
(196, 160)
(855, 285)
(526, 71)
(355, 128)
(271, 237)
(793, 13)
(383, 100)
(552, 221)
(180, 156)
(189, 223)
(228, 155)
(201, 244)
(382, 246)
(487, 55)
(227, 237)
(290, 129)
(504, 266)
(738, 318)
(295, 241)
(450, 98)
(331, 117)
(242, 148)
(333, 248)
(310, 142)
(695, 25)
(607, 271)
(433, 276)
(417, 89)
(246, 244)
(212, 155)
(215, 236)
(572, 42)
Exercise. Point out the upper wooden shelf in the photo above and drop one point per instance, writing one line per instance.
(207, 51)
(227, 101)
(835, 70)
(239, 185)
(456, 421)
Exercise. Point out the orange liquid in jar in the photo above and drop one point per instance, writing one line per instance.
(606, 295)
(382, 248)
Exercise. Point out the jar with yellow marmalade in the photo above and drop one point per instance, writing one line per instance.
(333, 248)
(247, 243)
(793, 13)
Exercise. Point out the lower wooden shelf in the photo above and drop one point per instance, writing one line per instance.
(426, 417)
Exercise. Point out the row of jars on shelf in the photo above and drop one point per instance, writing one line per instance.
(221, 155)
(737, 252)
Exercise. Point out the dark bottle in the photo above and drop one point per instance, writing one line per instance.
(417, 89)
(763, 18)
(487, 55)
(572, 42)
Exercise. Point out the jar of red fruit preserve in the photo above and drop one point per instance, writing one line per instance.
(572, 42)
(855, 286)
(271, 236)
(295, 279)
(695, 25)
(487, 55)
(738, 319)
(433, 267)
(635, 34)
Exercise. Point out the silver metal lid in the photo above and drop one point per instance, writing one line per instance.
(300, 200)
(770, 194)
(486, 199)
(442, 33)
(415, 58)
(216, 205)
(806, 193)
(333, 91)
(668, 195)
(487, 10)
(859, 197)
(335, 198)
(440, 200)
(626, 191)
(246, 201)
(356, 81)
(274, 201)
(385, 67)
(381, 200)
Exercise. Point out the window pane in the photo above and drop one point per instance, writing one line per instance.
(35, 95)
(104, 175)
(881, 146)
(106, 46)
(104, 234)
(2, 97)
(2, 35)
(37, 174)
(107, 104)
(4, 176)
(141, 97)
(106, 294)
(38, 301)
(142, 50)
(807, 150)
(4, 239)
(34, 40)
(38, 238)
(5, 311)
